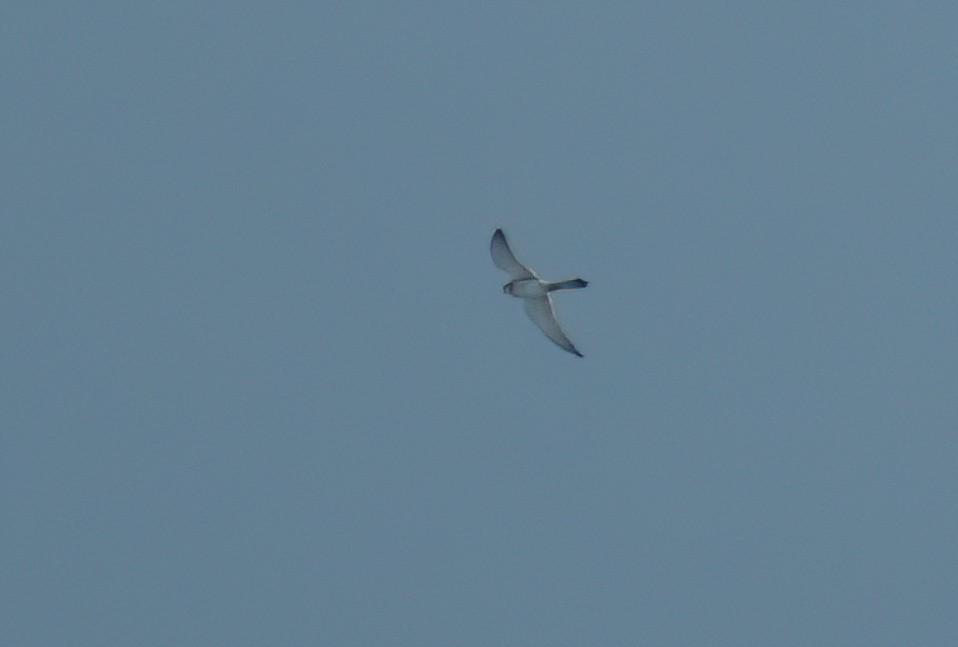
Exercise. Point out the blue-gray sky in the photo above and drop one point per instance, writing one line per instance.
(260, 384)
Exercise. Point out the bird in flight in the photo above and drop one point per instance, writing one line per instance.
(535, 293)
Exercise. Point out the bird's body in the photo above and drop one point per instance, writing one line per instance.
(534, 288)
(534, 292)
(525, 289)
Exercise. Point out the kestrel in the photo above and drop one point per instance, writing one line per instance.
(534, 292)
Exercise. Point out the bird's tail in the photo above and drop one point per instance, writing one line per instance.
(571, 284)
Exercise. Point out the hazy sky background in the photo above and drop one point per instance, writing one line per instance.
(260, 384)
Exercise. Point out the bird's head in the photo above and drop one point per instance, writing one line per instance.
(507, 288)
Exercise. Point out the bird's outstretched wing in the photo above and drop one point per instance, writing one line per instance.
(541, 311)
(503, 258)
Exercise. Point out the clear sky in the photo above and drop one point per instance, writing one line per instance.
(260, 384)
